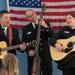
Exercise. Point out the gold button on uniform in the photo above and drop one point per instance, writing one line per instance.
(41, 49)
(40, 43)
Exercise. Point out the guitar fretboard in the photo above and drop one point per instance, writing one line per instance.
(33, 43)
(10, 48)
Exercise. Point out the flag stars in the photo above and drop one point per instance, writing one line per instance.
(21, 3)
(24, 2)
(16, 3)
(18, 0)
(32, 0)
(13, 0)
(38, 0)
(32, 4)
(38, 4)
(10, 2)
(35, 2)
(29, 2)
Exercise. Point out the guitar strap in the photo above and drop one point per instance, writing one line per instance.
(10, 36)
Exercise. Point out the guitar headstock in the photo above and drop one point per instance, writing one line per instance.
(32, 43)
(43, 7)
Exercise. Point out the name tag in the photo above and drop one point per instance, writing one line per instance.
(28, 33)
(66, 32)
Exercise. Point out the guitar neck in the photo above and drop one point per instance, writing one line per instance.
(33, 43)
(10, 48)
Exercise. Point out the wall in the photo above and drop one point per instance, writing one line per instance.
(22, 57)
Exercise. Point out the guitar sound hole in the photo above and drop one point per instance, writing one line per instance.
(70, 44)
(68, 49)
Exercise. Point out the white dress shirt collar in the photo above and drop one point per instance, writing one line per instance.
(34, 24)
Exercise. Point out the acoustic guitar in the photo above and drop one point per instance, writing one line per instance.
(4, 48)
(69, 50)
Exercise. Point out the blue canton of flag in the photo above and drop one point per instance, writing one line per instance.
(25, 3)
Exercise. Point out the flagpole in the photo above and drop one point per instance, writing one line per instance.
(7, 1)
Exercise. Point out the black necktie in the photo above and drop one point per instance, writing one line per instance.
(3, 29)
(36, 25)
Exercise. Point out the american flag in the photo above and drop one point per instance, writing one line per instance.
(55, 13)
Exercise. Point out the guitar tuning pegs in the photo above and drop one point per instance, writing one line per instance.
(23, 42)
